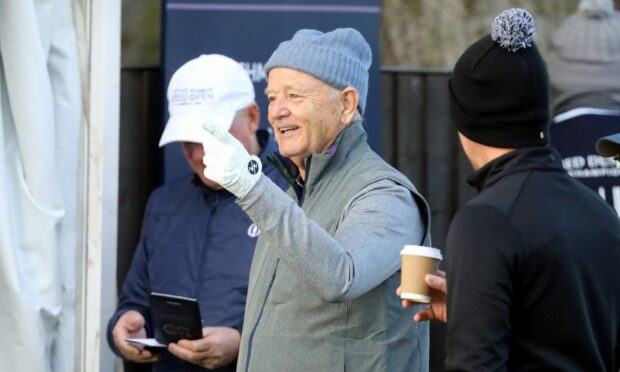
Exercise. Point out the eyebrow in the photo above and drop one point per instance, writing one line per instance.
(287, 87)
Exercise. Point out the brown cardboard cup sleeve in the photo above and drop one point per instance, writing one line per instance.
(417, 261)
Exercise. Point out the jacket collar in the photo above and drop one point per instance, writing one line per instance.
(344, 143)
(520, 160)
(351, 137)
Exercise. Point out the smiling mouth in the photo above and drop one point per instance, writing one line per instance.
(289, 129)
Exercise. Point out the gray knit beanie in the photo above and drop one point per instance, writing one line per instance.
(585, 53)
(340, 58)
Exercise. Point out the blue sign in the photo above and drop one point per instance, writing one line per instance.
(248, 32)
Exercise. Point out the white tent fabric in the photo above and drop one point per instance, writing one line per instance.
(40, 111)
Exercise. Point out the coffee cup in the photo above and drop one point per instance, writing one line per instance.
(417, 261)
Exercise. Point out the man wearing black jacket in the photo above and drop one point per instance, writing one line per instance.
(532, 261)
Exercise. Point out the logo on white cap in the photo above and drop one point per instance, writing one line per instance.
(210, 87)
(184, 96)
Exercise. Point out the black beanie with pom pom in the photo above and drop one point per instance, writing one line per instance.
(499, 86)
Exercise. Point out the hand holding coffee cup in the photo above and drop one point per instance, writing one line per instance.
(417, 261)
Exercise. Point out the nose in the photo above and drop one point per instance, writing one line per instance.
(277, 109)
(196, 152)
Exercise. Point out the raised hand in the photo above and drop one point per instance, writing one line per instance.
(227, 162)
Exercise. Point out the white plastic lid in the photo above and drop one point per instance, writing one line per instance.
(419, 250)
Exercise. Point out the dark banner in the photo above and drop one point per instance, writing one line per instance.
(574, 134)
(249, 31)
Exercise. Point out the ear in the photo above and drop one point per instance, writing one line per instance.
(253, 113)
(187, 149)
(350, 99)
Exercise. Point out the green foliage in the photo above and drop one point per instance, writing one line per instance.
(141, 33)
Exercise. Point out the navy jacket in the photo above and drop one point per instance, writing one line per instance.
(195, 242)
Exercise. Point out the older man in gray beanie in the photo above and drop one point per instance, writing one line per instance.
(321, 295)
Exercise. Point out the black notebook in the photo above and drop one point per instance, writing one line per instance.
(175, 318)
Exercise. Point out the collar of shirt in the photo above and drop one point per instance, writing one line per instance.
(291, 171)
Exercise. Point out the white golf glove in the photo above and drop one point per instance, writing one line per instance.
(228, 162)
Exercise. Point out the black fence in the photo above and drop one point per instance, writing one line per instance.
(417, 138)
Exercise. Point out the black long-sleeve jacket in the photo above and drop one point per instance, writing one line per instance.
(533, 271)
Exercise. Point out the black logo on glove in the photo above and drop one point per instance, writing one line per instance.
(253, 167)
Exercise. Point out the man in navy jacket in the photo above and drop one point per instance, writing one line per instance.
(195, 241)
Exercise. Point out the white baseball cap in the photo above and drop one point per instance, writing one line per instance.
(210, 87)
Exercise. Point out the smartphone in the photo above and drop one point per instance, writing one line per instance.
(175, 318)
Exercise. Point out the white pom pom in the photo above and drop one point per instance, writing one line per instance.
(513, 29)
